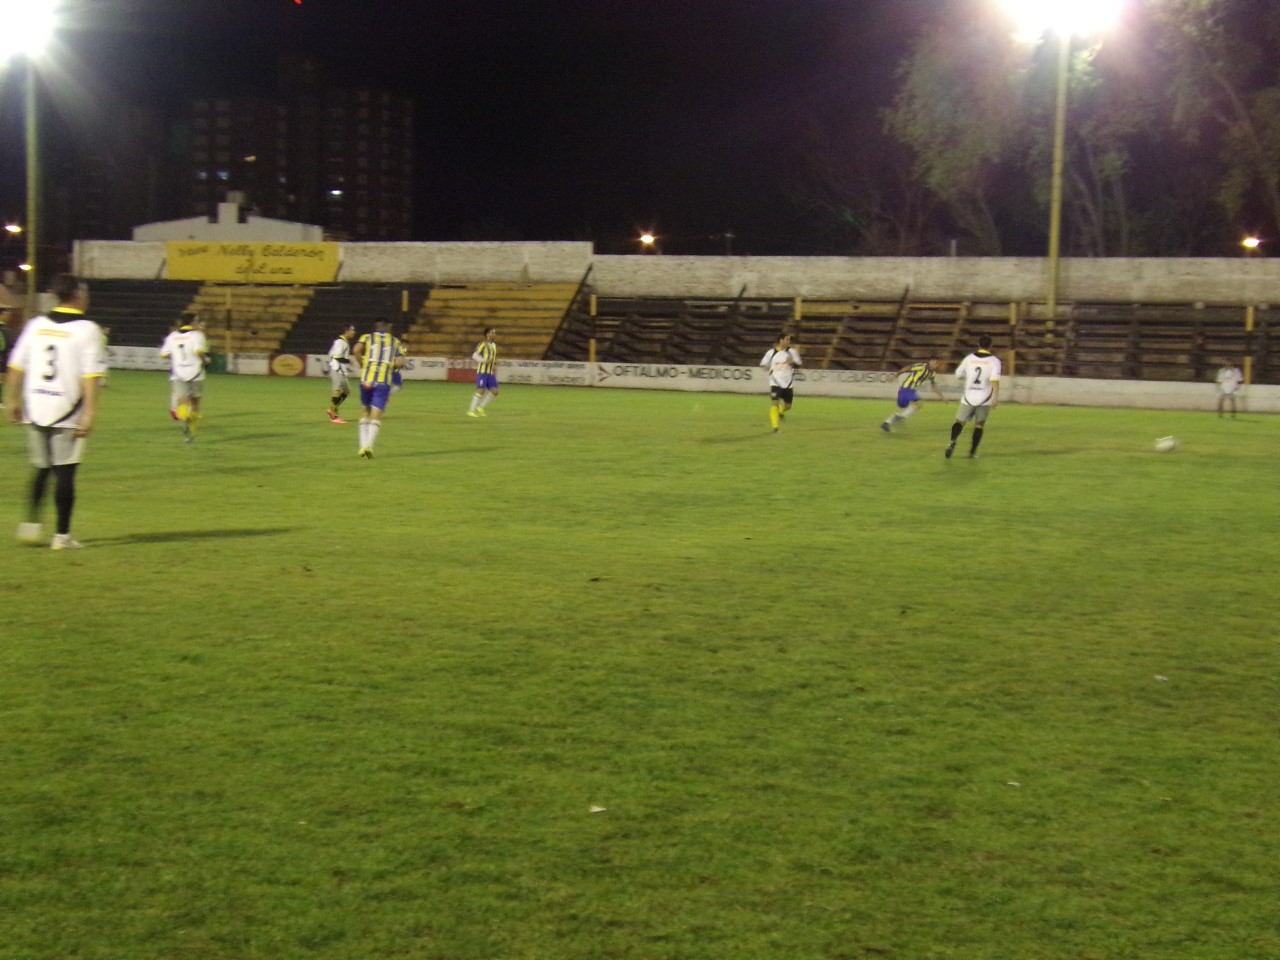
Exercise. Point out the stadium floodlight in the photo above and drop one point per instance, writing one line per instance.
(1066, 18)
(28, 27)
(13, 229)
(1033, 18)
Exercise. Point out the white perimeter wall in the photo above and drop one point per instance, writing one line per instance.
(867, 384)
(1235, 280)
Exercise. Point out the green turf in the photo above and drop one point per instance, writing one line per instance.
(837, 697)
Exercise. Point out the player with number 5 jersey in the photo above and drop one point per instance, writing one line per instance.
(54, 374)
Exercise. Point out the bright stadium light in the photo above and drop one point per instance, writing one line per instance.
(1033, 19)
(27, 28)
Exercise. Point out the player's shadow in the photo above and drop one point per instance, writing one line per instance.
(189, 536)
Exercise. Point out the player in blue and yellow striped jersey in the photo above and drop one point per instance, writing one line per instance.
(918, 374)
(378, 355)
(486, 358)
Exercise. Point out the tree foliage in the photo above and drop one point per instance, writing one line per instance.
(1173, 132)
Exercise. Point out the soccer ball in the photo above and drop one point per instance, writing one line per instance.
(1166, 444)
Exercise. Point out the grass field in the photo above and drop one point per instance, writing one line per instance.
(624, 675)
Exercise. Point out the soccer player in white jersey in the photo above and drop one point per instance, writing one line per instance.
(1229, 380)
(979, 376)
(781, 361)
(55, 371)
(339, 371)
(188, 352)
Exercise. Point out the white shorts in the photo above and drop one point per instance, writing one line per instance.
(53, 446)
(339, 381)
(968, 412)
(193, 389)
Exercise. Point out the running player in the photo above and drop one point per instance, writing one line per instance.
(781, 361)
(379, 355)
(979, 375)
(339, 368)
(187, 351)
(918, 374)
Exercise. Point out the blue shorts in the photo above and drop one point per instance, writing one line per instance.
(907, 396)
(487, 381)
(375, 395)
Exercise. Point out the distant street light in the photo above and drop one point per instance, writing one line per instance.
(1066, 18)
(648, 243)
(1251, 245)
(27, 31)
(13, 229)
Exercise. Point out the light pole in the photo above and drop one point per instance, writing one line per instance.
(27, 33)
(33, 189)
(1055, 182)
(1065, 18)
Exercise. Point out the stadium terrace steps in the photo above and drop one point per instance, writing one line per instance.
(249, 319)
(453, 318)
(1102, 340)
(139, 313)
(333, 307)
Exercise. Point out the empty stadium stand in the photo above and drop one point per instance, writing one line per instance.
(139, 312)
(332, 307)
(453, 318)
(249, 319)
(562, 321)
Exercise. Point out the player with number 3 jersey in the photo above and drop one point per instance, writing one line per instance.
(54, 374)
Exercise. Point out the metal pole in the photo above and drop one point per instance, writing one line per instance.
(33, 190)
(1055, 196)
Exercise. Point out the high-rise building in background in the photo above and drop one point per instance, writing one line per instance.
(342, 159)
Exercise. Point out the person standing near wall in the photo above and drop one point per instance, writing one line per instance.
(54, 374)
(979, 376)
(1229, 380)
(486, 358)
(781, 361)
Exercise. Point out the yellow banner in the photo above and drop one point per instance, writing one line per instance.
(252, 262)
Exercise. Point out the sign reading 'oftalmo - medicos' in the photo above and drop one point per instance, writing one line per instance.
(252, 262)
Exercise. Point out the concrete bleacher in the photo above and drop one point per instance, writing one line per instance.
(673, 330)
(333, 307)
(249, 319)
(1105, 341)
(1094, 340)
(140, 313)
(452, 319)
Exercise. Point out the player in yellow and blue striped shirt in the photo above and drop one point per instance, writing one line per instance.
(379, 355)
(486, 358)
(918, 374)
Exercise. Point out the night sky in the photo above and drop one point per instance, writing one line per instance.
(540, 119)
